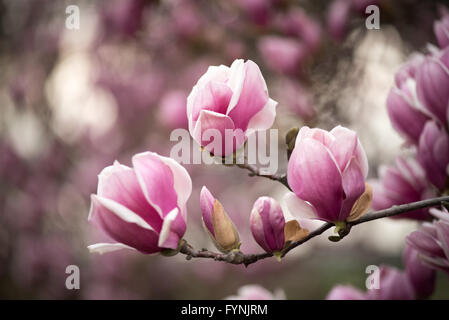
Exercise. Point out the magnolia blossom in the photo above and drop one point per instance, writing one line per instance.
(267, 224)
(141, 208)
(256, 292)
(232, 101)
(404, 183)
(327, 172)
(432, 241)
(432, 84)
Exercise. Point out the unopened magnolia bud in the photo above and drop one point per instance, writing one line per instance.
(267, 224)
(219, 226)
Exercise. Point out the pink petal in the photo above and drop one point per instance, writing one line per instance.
(344, 146)
(443, 235)
(157, 181)
(253, 97)
(123, 225)
(107, 247)
(317, 134)
(264, 119)
(182, 182)
(298, 208)
(119, 183)
(353, 186)
(206, 205)
(214, 96)
(172, 230)
(314, 177)
(218, 126)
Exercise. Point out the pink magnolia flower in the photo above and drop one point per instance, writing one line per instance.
(267, 224)
(282, 54)
(404, 183)
(256, 292)
(431, 241)
(421, 276)
(141, 208)
(433, 153)
(326, 172)
(229, 100)
(341, 292)
(432, 84)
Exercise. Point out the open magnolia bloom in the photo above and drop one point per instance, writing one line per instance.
(141, 208)
(229, 101)
(327, 172)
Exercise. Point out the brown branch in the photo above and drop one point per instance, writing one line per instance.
(238, 257)
(254, 171)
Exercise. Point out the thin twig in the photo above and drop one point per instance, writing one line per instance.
(254, 171)
(238, 257)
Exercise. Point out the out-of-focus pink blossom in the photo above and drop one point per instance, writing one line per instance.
(122, 17)
(282, 54)
(420, 275)
(172, 109)
(142, 207)
(297, 99)
(393, 285)
(337, 18)
(404, 183)
(256, 292)
(432, 84)
(327, 172)
(431, 241)
(297, 23)
(267, 224)
(341, 292)
(257, 10)
(229, 100)
(404, 113)
(185, 18)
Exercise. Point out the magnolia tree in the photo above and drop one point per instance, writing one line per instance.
(143, 207)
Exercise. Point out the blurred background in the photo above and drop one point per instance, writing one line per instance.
(73, 101)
